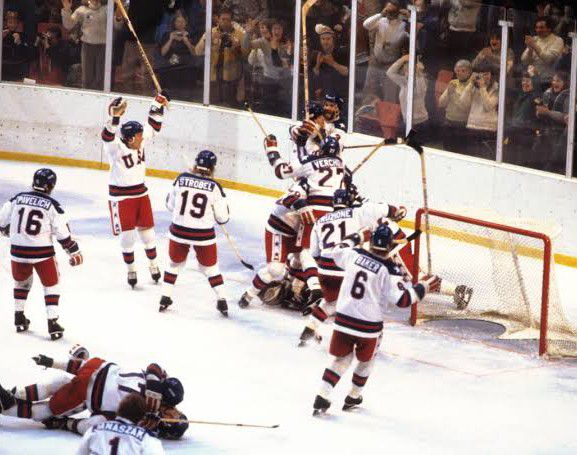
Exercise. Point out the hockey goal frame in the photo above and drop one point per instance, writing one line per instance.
(547, 258)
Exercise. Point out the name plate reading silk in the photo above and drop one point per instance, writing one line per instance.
(338, 215)
(324, 163)
(198, 184)
(34, 201)
(368, 264)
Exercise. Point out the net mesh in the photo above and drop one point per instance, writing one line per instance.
(504, 269)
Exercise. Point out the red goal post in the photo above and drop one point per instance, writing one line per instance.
(439, 231)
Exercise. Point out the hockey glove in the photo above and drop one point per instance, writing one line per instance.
(432, 283)
(397, 213)
(78, 352)
(271, 148)
(117, 107)
(76, 257)
(290, 200)
(307, 215)
(5, 230)
(43, 360)
(150, 421)
(162, 98)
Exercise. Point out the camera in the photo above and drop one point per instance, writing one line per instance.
(226, 40)
(476, 80)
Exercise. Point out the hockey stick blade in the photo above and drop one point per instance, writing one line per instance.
(247, 265)
(411, 141)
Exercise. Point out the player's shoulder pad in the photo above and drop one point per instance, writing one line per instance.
(56, 204)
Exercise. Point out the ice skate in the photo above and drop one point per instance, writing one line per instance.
(312, 300)
(222, 307)
(7, 399)
(154, 273)
(351, 403)
(244, 300)
(462, 296)
(132, 280)
(54, 329)
(320, 405)
(165, 302)
(308, 334)
(21, 322)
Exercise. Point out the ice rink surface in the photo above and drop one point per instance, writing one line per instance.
(432, 390)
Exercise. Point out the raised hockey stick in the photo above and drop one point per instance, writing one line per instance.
(384, 142)
(235, 248)
(402, 243)
(412, 142)
(255, 118)
(304, 12)
(139, 44)
(227, 424)
(351, 147)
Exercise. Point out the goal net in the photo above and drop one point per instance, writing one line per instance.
(510, 269)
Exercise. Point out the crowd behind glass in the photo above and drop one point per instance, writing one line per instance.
(458, 60)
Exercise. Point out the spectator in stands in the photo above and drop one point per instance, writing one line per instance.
(61, 53)
(245, 10)
(176, 46)
(390, 40)
(491, 55)
(92, 20)
(520, 133)
(398, 73)
(482, 95)
(273, 53)
(564, 63)
(145, 16)
(543, 50)
(16, 53)
(26, 10)
(330, 64)
(462, 27)
(226, 59)
(551, 113)
(456, 112)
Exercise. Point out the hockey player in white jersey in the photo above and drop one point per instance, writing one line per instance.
(129, 204)
(197, 202)
(280, 241)
(373, 283)
(127, 434)
(331, 229)
(31, 219)
(97, 385)
(321, 175)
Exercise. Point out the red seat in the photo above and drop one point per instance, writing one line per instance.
(385, 123)
(443, 79)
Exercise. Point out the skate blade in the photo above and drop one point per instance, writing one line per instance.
(319, 412)
(22, 328)
(163, 308)
(56, 336)
(350, 407)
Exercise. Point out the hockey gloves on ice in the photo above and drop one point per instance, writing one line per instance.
(43, 360)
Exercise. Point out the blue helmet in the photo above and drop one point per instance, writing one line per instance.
(173, 430)
(206, 160)
(330, 146)
(130, 129)
(173, 392)
(382, 238)
(44, 180)
(343, 198)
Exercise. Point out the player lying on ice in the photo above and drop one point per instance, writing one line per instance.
(97, 385)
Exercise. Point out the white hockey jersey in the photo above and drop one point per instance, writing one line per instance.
(320, 177)
(284, 219)
(119, 436)
(196, 203)
(34, 218)
(127, 166)
(332, 228)
(370, 286)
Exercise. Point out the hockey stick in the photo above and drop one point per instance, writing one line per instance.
(139, 44)
(235, 248)
(402, 243)
(228, 424)
(384, 142)
(304, 12)
(415, 145)
(350, 147)
(255, 118)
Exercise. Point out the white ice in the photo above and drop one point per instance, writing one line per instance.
(430, 392)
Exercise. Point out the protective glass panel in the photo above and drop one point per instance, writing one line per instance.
(170, 36)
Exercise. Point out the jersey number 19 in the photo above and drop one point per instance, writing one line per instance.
(199, 202)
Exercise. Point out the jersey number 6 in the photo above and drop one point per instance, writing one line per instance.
(199, 202)
(358, 289)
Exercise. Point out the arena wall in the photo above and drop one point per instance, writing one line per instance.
(63, 127)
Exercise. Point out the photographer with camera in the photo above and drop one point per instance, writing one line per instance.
(226, 59)
(57, 55)
(176, 45)
(482, 95)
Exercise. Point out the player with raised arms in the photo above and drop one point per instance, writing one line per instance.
(129, 204)
(31, 219)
